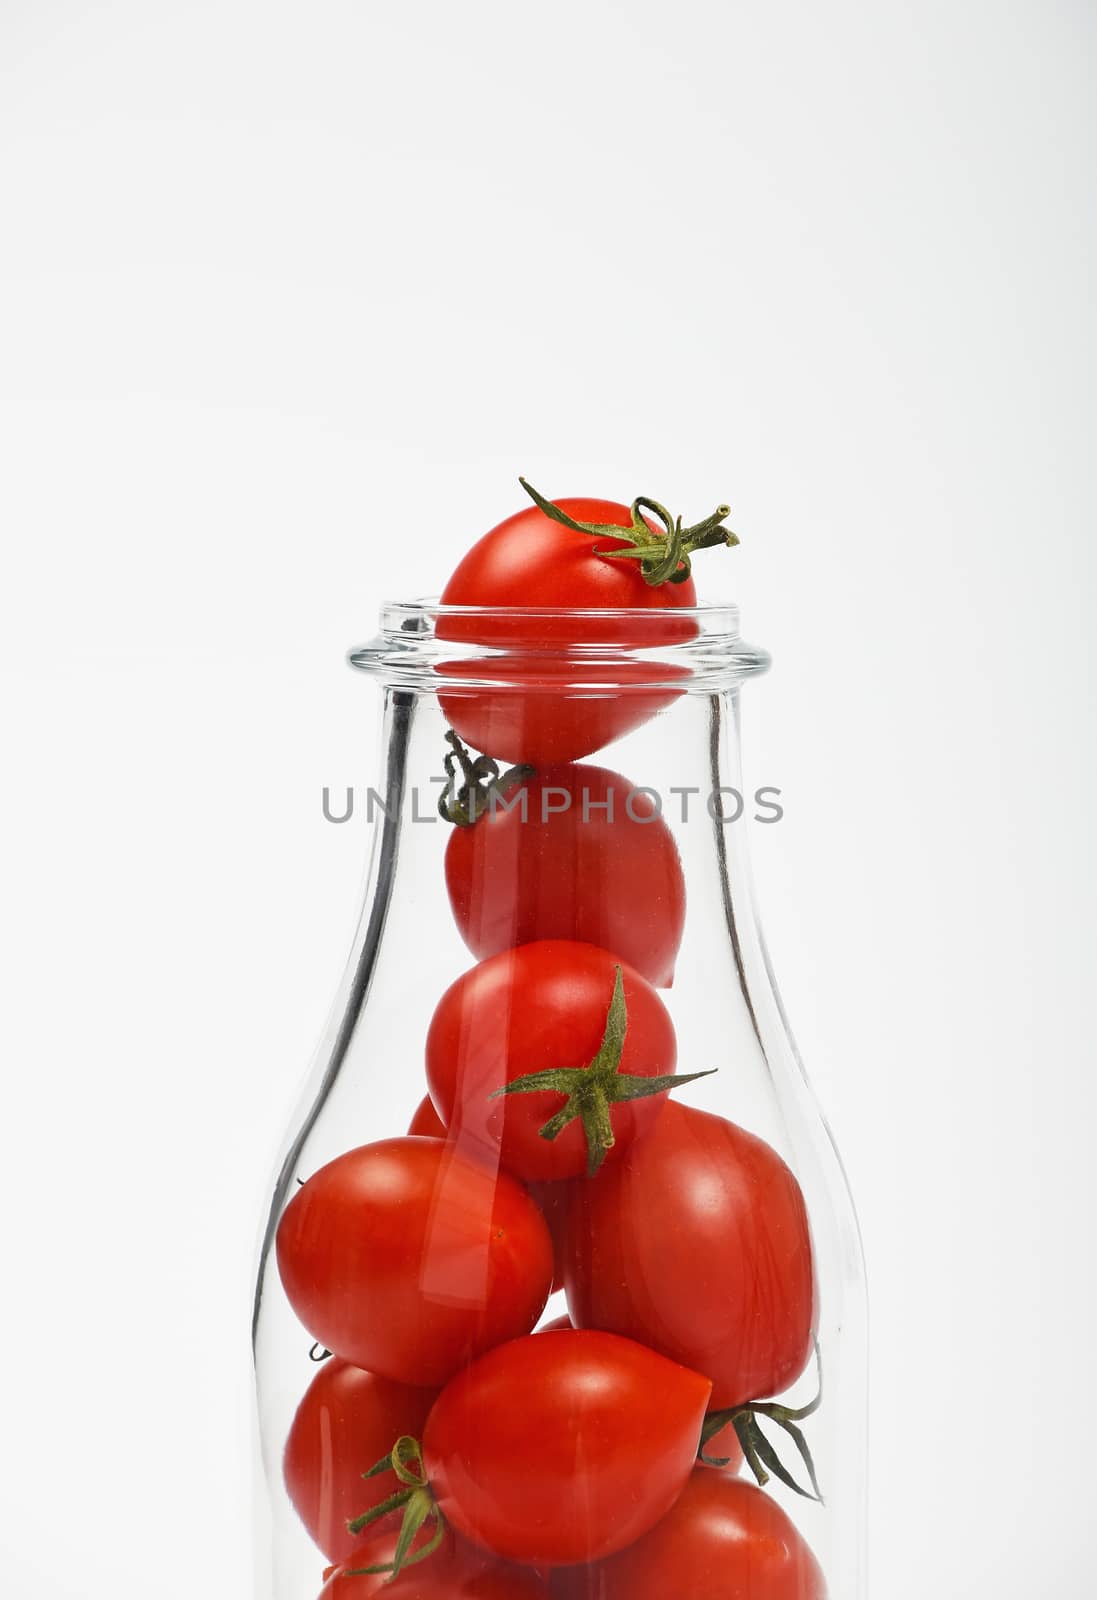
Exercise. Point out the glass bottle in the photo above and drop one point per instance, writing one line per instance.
(509, 739)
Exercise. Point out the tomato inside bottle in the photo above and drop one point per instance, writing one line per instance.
(560, 1295)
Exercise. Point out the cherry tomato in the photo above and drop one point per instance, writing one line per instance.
(722, 1538)
(531, 561)
(542, 1007)
(542, 709)
(563, 1447)
(345, 1423)
(529, 577)
(582, 856)
(697, 1243)
(455, 1571)
(407, 1259)
(426, 1122)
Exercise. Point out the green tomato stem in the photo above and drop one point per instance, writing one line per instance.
(591, 1090)
(664, 557)
(471, 786)
(761, 1457)
(405, 1459)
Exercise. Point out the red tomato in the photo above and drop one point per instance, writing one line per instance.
(542, 1007)
(722, 1538)
(407, 1259)
(529, 560)
(426, 1123)
(563, 1447)
(455, 1571)
(346, 1422)
(697, 1243)
(549, 709)
(534, 708)
(583, 856)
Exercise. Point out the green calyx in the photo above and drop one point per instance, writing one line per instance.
(761, 1457)
(472, 787)
(419, 1505)
(593, 1089)
(665, 556)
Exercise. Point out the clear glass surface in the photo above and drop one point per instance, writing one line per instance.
(673, 875)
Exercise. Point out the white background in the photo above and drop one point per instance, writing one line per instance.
(289, 294)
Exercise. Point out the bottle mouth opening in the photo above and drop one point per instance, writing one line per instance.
(425, 645)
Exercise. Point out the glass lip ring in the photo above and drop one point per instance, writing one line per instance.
(559, 649)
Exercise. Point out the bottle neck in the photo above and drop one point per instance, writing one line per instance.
(678, 774)
(670, 893)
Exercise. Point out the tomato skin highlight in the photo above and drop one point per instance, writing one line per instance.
(455, 1571)
(347, 1420)
(723, 1538)
(538, 1007)
(607, 877)
(407, 1259)
(563, 1447)
(697, 1243)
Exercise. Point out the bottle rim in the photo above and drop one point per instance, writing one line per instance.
(425, 645)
